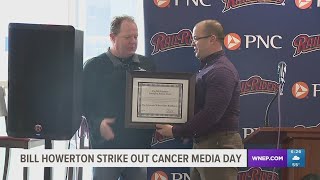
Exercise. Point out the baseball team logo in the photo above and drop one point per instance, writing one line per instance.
(162, 41)
(304, 43)
(159, 175)
(255, 84)
(257, 173)
(303, 4)
(161, 3)
(232, 41)
(234, 4)
(300, 90)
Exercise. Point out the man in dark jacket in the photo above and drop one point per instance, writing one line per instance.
(217, 110)
(104, 98)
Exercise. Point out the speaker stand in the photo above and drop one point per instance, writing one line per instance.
(48, 170)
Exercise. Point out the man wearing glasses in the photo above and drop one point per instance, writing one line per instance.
(217, 108)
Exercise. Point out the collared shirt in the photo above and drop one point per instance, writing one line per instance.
(130, 62)
(217, 97)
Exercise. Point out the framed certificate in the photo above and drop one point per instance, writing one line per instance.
(158, 97)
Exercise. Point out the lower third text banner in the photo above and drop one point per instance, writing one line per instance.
(161, 158)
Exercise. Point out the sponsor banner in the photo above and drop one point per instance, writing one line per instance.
(232, 41)
(258, 36)
(166, 174)
(301, 90)
(181, 3)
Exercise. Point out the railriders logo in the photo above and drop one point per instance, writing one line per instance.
(304, 43)
(255, 84)
(163, 42)
(257, 173)
(234, 4)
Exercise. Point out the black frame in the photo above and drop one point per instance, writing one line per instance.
(156, 75)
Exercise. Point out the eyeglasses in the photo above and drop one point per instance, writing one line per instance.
(195, 38)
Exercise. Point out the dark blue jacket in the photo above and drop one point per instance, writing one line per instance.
(104, 97)
(217, 99)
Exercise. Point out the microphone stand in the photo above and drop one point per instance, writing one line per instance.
(281, 71)
(266, 117)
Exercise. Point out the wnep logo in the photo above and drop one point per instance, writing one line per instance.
(160, 175)
(177, 3)
(233, 41)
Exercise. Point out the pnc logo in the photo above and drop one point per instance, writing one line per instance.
(248, 131)
(159, 175)
(303, 4)
(232, 41)
(161, 3)
(300, 90)
(177, 3)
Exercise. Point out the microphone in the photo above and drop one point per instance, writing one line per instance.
(282, 69)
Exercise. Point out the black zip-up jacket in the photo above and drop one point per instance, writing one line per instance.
(104, 81)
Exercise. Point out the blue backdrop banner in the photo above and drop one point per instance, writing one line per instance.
(259, 35)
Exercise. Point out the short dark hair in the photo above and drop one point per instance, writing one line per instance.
(214, 27)
(117, 21)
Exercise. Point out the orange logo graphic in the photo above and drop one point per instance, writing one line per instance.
(159, 175)
(232, 41)
(300, 90)
(161, 3)
(303, 4)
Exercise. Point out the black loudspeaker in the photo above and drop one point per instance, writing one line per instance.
(45, 75)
